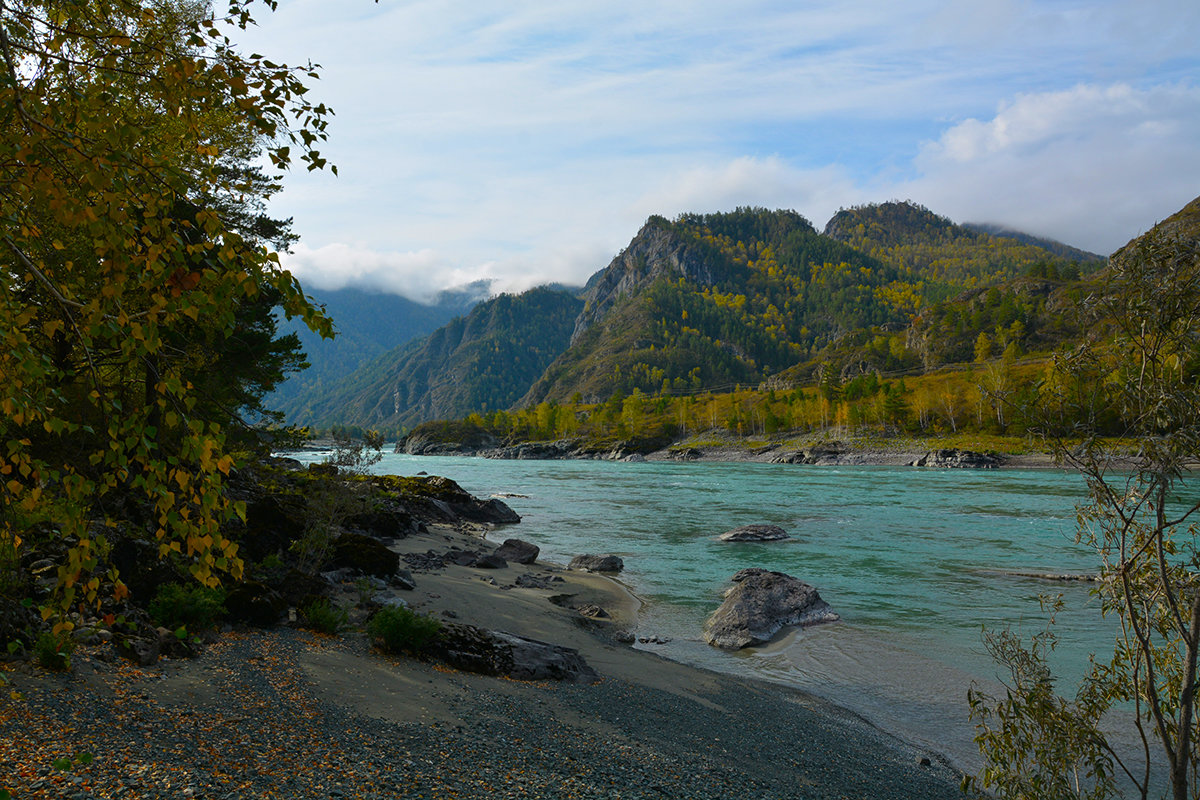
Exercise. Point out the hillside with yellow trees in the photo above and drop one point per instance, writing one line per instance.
(722, 302)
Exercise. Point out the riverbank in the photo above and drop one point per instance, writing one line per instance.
(830, 447)
(289, 713)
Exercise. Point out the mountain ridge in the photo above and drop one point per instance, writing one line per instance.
(724, 299)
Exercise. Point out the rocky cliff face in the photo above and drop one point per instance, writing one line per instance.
(655, 251)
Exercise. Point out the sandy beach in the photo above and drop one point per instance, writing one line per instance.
(291, 713)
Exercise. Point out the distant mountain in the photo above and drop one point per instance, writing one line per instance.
(478, 362)
(368, 324)
(947, 257)
(706, 302)
(715, 300)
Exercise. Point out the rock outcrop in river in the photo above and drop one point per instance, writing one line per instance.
(759, 604)
(755, 533)
(597, 563)
(959, 459)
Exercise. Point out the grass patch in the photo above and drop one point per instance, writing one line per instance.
(324, 616)
(196, 607)
(396, 629)
(53, 651)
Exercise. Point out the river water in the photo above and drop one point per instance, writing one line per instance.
(916, 562)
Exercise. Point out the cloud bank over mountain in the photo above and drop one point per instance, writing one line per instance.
(520, 142)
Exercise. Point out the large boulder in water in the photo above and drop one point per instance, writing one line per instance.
(755, 533)
(597, 563)
(759, 604)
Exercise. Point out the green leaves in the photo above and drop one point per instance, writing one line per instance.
(66, 763)
(133, 267)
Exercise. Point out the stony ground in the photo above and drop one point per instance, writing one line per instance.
(246, 720)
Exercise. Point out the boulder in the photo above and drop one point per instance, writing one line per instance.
(255, 603)
(755, 533)
(172, 645)
(462, 558)
(490, 561)
(596, 563)
(384, 523)
(759, 604)
(364, 554)
(959, 459)
(448, 502)
(473, 649)
(518, 552)
(403, 579)
(593, 611)
(538, 582)
(273, 521)
(296, 587)
(534, 661)
(142, 650)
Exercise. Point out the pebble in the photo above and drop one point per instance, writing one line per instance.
(621, 741)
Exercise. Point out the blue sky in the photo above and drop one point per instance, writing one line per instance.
(526, 142)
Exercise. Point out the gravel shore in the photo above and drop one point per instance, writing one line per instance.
(287, 713)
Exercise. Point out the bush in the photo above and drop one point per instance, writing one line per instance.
(53, 651)
(196, 607)
(324, 616)
(396, 629)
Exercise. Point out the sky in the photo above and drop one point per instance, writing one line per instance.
(527, 142)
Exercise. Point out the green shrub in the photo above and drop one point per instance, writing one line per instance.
(324, 616)
(396, 629)
(53, 651)
(196, 607)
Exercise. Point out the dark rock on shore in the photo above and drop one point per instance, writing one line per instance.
(959, 459)
(597, 563)
(464, 441)
(535, 451)
(473, 649)
(828, 453)
(364, 554)
(446, 501)
(755, 533)
(383, 523)
(537, 581)
(298, 587)
(138, 641)
(759, 604)
(255, 603)
(490, 561)
(518, 551)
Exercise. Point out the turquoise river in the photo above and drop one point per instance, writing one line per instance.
(916, 562)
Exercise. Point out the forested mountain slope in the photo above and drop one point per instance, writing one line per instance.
(947, 258)
(479, 362)
(368, 324)
(708, 302)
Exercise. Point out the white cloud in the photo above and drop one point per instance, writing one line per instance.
(1092, 165)
(525, 141)
(417, 275)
